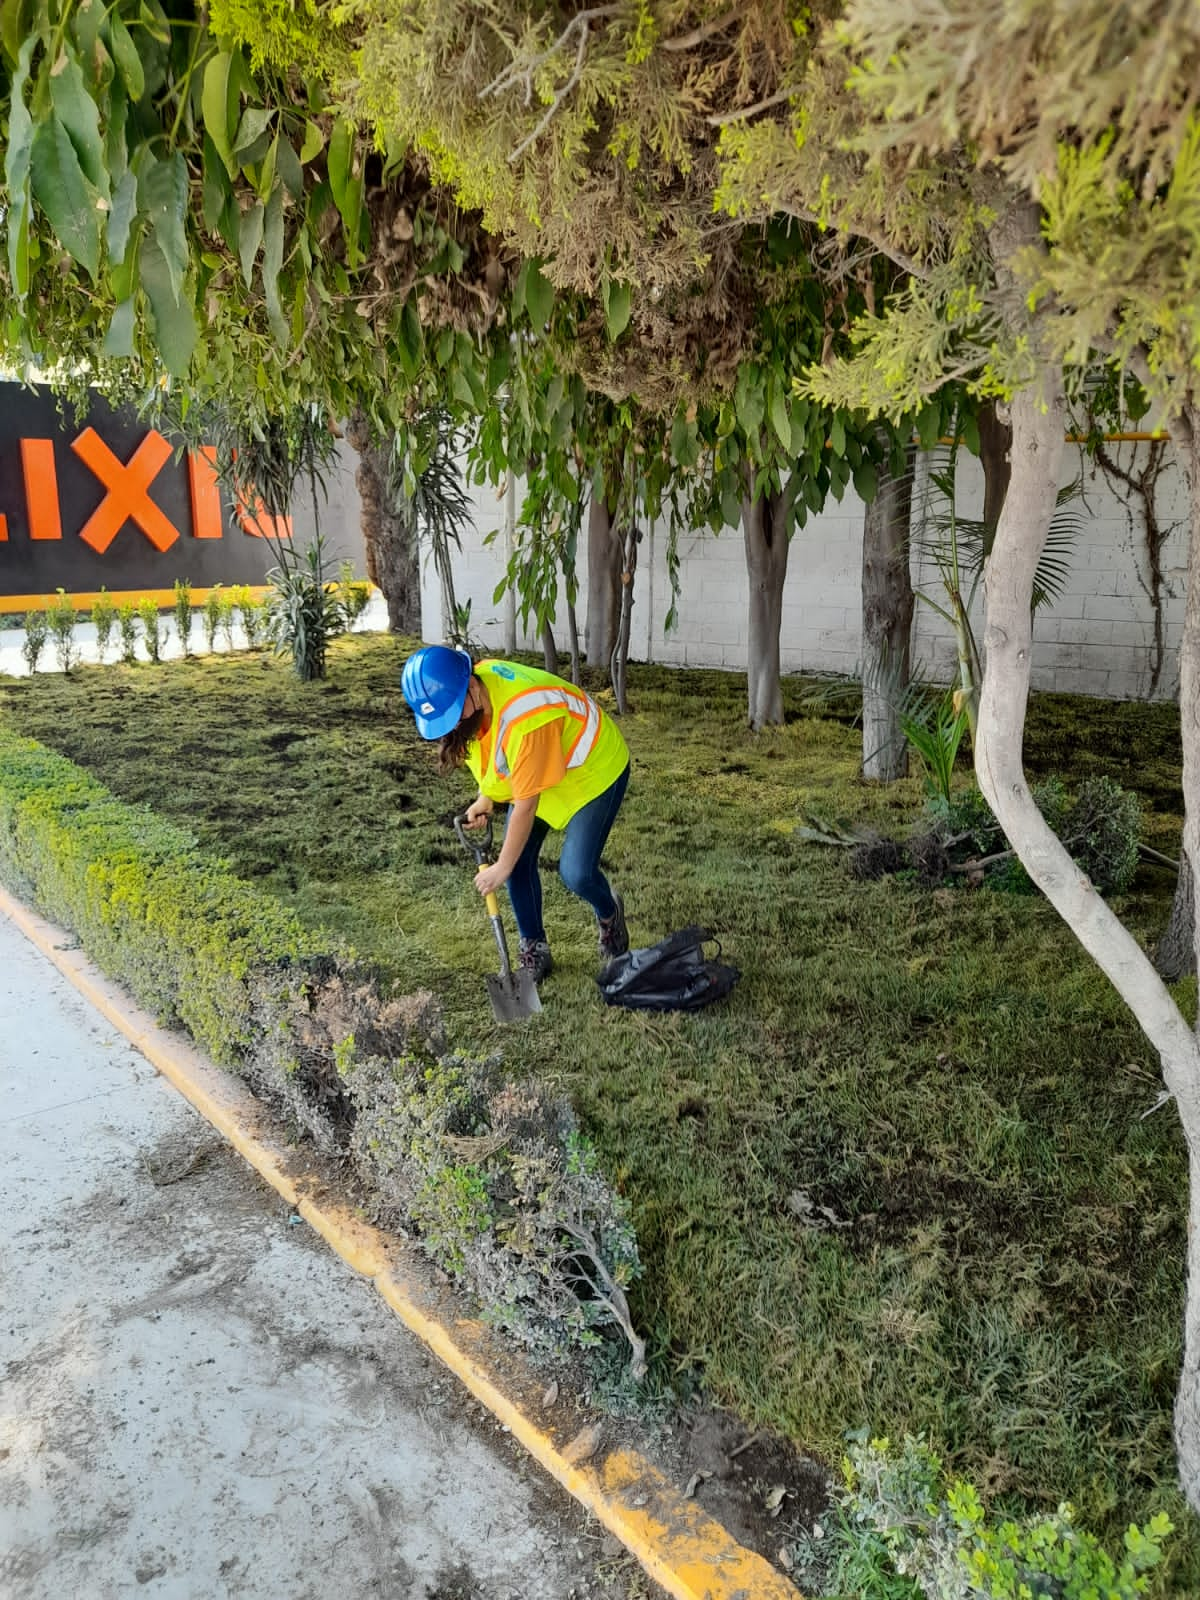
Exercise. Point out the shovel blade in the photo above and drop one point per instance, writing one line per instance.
(513, 996)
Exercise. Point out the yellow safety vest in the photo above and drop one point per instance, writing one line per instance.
(523, 699)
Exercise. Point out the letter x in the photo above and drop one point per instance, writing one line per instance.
(127, 498)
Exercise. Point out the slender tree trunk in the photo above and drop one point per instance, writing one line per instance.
(887, 602)
(549, 648)
(766, 567)
(510, 538)
(620, 672)
(604, 582)
(389, 532)
(995, 455)
(1038, 427)
(1175, 956)
(1183, 1078)
(573, 638)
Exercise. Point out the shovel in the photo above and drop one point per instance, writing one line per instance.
(513, 994)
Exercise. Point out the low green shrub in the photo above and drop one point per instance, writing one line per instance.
(152, 627)
(127, 621)
(104, 619)
(900, 1518)
(184, 614)
(1100, 825)
(214, 605)
(37, 631)
(497, 1178)
(251, 615)
(61, 618)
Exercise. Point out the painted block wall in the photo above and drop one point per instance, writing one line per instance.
(1097, 639)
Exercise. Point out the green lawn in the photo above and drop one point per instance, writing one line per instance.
(947, 1072)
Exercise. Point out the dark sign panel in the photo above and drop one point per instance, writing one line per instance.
(113, 504)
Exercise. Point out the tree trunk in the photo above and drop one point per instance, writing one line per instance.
(604, 582)
(995, 456)
(1039, 423)
(766, 568)
(887, 602)
(620, 670)
(1175, 957)
(549, 648)
(1183, 1078)
(573, 637)
(389, 532)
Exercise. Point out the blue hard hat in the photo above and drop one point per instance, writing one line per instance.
(435, 682)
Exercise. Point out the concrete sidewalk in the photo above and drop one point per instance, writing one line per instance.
(197, 1399)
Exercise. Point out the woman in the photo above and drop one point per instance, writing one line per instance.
(545, 749)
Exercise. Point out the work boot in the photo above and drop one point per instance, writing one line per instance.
(534, 956)
(614, 935)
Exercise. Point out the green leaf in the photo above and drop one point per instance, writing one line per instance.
(618, 304)
(71, 203)
(969, 428)
(287, 164)
(272, 266)
(118, 341)
(749, 401)
(163, 193)
(120, 218)
(218, 105)
(539, 296)
(837, 434)
(411, 341)
(254, 123)
(685, 439)
(866, 481)
(125, 54)
(929, 425)
(17, 157)
(77, 112)
(15, 30)
(314, 143)
(250, 233)
(215, 190)
(341, 156)
(780, 420)
(174, 319)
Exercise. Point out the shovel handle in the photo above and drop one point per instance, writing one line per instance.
(480, 847)
(492, 904)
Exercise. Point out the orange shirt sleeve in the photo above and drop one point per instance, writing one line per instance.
(540, 762)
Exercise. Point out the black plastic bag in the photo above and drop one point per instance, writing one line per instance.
(674, 975)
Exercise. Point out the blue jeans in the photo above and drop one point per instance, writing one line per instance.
(579, 865)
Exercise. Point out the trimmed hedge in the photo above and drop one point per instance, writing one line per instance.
(176, 927)
(499, 1181)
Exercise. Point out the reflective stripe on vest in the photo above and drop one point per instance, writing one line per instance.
(529, 702)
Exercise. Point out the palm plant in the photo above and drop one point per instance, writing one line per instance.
(302, 609)
(959, 547)
(426, 471)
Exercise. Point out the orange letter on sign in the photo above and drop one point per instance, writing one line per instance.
(206, 497)
(41, 488)
(127, 485)
(257, 521)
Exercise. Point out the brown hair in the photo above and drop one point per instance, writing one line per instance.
(452, 748)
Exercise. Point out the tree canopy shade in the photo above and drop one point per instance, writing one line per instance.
(1032, 171)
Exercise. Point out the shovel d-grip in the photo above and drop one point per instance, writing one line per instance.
(513, 994)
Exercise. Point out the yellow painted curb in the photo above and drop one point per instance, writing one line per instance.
(678, 1544)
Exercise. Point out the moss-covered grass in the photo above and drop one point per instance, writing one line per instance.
(946, 1072)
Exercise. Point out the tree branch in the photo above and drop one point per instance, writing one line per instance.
(904, 261)
(557, 101)
(776, 99)
(689, 41)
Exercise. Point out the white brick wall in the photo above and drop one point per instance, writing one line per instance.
(1096, 640)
